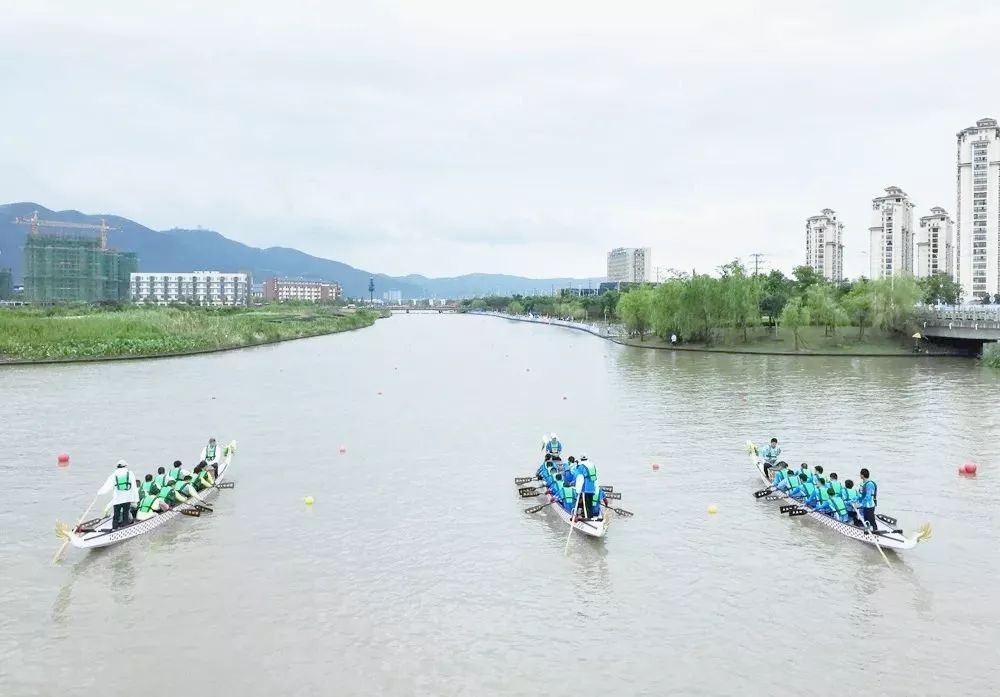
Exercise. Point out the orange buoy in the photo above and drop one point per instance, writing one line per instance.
(970, 467)
(62, 459)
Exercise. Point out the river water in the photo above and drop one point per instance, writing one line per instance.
(417, 572)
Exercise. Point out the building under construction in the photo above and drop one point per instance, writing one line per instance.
(72, 267)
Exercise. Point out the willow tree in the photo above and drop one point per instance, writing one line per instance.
(740, 297)
(635, 308)
(794, 317)
(824, 308)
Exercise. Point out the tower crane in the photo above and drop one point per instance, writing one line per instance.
(35, 222)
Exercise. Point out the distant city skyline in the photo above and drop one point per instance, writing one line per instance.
(443, 138)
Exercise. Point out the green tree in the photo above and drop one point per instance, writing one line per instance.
(740, 296)
(824, 309)
(894, 301)
(701, 308)
(667, 301)
(859, 306)
(515, 308)
(940, 289)
(636, 310)
(805, 277)
(794, 317)
(775, 292)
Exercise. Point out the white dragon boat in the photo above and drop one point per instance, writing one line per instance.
(100, 533)
(888, 536)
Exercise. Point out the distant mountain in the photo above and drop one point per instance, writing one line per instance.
(189, 250)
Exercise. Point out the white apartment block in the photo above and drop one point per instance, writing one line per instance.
(978, 213)
(200, 287)
(890, 249)
(825, 245)
(630, 265)
(934, 244)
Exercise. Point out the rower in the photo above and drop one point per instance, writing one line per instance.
(770, 455)
(567, 494)
(177, 472)
(821, 487)
(150, 504)
(210, 455)
(869, 499)
(201, 477)
(185, 489)
(783, 477)
(553, 446)
(805, 490)
(588, 471)
(160, 480)
(835, 484)
(147, 486)
(837, 505)
(817, 474)
(851, 498)
(124, 492)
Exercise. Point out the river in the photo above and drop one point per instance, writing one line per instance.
(417, 571)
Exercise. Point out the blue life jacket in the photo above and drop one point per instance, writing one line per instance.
(869, 494)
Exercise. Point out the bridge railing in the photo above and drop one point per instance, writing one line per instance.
(606, 331)
(972, 316)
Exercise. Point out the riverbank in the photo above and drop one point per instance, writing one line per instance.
(812, 341)
(68, 334)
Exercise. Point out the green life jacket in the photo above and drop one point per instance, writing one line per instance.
(823, 496)
(122, 482)
(146, 505)
(809, 488)
(850, 496)
(569, 495)
(210, 452)
(147, 487)
(174, 473)
(160, 481)
(178, 487)
(838, 504)
(837, 487)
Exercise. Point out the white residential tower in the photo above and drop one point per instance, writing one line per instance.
(890, 249)
(825, 245)
(934, 246)
(978, 211)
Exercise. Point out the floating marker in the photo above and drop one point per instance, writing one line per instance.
(970, 467)
(564, 397)
(713, 509)
(309, 500)
(62, 459)
(343, 449)
(656, 467)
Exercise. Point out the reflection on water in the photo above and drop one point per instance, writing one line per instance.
(417, 571)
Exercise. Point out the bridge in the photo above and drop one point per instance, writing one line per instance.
(964, 322)
(421, 309)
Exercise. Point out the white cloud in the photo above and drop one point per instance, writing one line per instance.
(520, 137)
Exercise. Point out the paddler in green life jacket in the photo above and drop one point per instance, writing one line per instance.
(210, 455)
(835, 484)
(160, 480)
(176, 473)
(150, 504)
(201, 478)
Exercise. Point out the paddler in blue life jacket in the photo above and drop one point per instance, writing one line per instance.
(568, 469)
(869, 499)
(833, 505)
(851, 498)
(821, 495)
(567, 494)
(553, 446)
(805, 490)
(588, 471)
(770, 455)
(817, 474)
(781, 480)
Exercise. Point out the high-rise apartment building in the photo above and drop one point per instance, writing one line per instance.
(934, 244)
(978, 210)
(890, 246)
(630, 265)
(825, 245)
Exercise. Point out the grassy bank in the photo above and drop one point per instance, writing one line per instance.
(811, 340)
(66, 333)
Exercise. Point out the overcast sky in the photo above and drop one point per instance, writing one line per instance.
(525, 137)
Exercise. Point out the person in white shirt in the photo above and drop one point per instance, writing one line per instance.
(210, 455)
(124, 492)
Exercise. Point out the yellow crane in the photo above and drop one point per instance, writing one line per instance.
(35, 222)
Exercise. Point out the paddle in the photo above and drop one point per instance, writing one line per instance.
(763, 492)
(789, 507)
(535, 509)
(775, 497)
(571, 519)
(798, 511)
(620, 511)
(203, 508)
(225, 485)
(607, 489)
(877, 545)
(525, 480)
(887, 519)
(613, 495)
(532, 491)
(66, 542)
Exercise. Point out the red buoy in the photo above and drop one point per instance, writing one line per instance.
(656, 467)
(62, 459)
(970, 467)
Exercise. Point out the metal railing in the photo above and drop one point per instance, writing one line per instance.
(960, 316)
(605, 331)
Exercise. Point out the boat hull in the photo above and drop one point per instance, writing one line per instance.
(590, 528)
(886, 539)
(104, 536)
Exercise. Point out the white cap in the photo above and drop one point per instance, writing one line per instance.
(122, 463)
(554, 437)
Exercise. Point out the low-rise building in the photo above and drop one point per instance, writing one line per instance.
(283, 290)
(199, 287)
